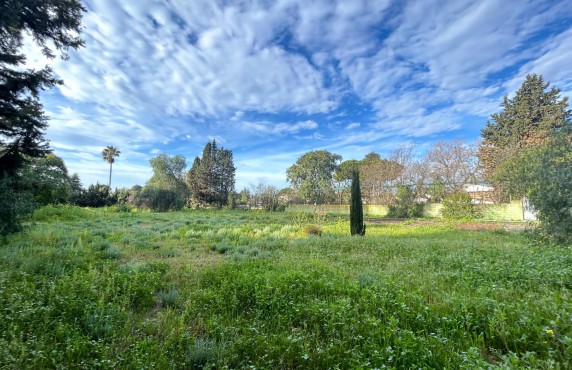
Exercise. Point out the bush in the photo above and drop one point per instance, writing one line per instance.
(313, 230)
(15, 206)
(544, 175)
(96, 195)
(458, 206)
(551, 193)
(405, 205)
(160, 199)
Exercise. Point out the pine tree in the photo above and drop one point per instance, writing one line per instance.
(357, 226)
(527, 120)
(211, 179)
(53, 24)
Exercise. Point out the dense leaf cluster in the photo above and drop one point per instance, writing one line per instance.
(52, 24)
(357, 226)
(211, 179)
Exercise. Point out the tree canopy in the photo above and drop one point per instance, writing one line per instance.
(526, 120)
(168, 171)
(54, 26)
(313, 173)
(211, 179)
(109, 154)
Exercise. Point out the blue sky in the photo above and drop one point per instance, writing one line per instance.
(271, 80)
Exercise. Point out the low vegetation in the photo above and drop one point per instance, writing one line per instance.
(105, 288)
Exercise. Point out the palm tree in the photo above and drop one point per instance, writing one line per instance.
(108, 154)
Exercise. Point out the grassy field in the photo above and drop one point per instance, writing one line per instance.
(85, 288)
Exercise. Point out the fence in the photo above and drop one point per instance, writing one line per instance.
(512, 211)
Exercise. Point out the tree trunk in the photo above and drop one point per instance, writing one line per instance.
(110, 169)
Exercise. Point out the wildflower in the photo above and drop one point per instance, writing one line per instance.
(550, 332)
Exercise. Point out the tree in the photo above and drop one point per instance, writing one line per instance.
(109, 154)
(378, 178)
(96, 195)
(544, 175)
(211, 179)
(453, 164)
(49, 181)
(405, 205)
(169, 173)
(357, 226)
(343, 176)
(266, 197)
(53, 24)
(312, 175)
(527, 120)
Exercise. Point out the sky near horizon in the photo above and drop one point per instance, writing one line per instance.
(271, 80)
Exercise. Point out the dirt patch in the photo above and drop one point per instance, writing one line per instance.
(479, 226)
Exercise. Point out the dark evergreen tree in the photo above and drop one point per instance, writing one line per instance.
(22, 119)
(52, 24)
(527, 120)
(211, 179)
(357, 226)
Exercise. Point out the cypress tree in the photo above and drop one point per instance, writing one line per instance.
(357, 227)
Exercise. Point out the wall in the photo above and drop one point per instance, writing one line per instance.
(492, 212)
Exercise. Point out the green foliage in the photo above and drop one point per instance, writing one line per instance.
(169, 173)
(96, 195)
(48, 179)
(211, 179)
(109, 154)
(405, 205)
(159, 199)
(552, 198)
(544, 175)
(50, 25)
(458, 206)
(16, 205)
(312, 175)
(357, 226)
(436, 191)
(527, 120)
(313, 230)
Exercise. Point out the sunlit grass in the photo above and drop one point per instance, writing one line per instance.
(85, 288)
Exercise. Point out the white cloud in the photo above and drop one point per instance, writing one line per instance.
(280, 128)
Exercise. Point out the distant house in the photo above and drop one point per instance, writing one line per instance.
(480, 193)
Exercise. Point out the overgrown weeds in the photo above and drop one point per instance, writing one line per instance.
(206, 289)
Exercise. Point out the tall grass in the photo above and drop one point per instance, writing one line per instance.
(84, 288)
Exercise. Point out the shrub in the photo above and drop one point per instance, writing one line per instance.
(551, 192)
(15, 206)
(313, 230)
(96, 195)
(405, 205)
(159, 199)
(458, 206)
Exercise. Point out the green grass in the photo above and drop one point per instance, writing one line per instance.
(84, 288)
